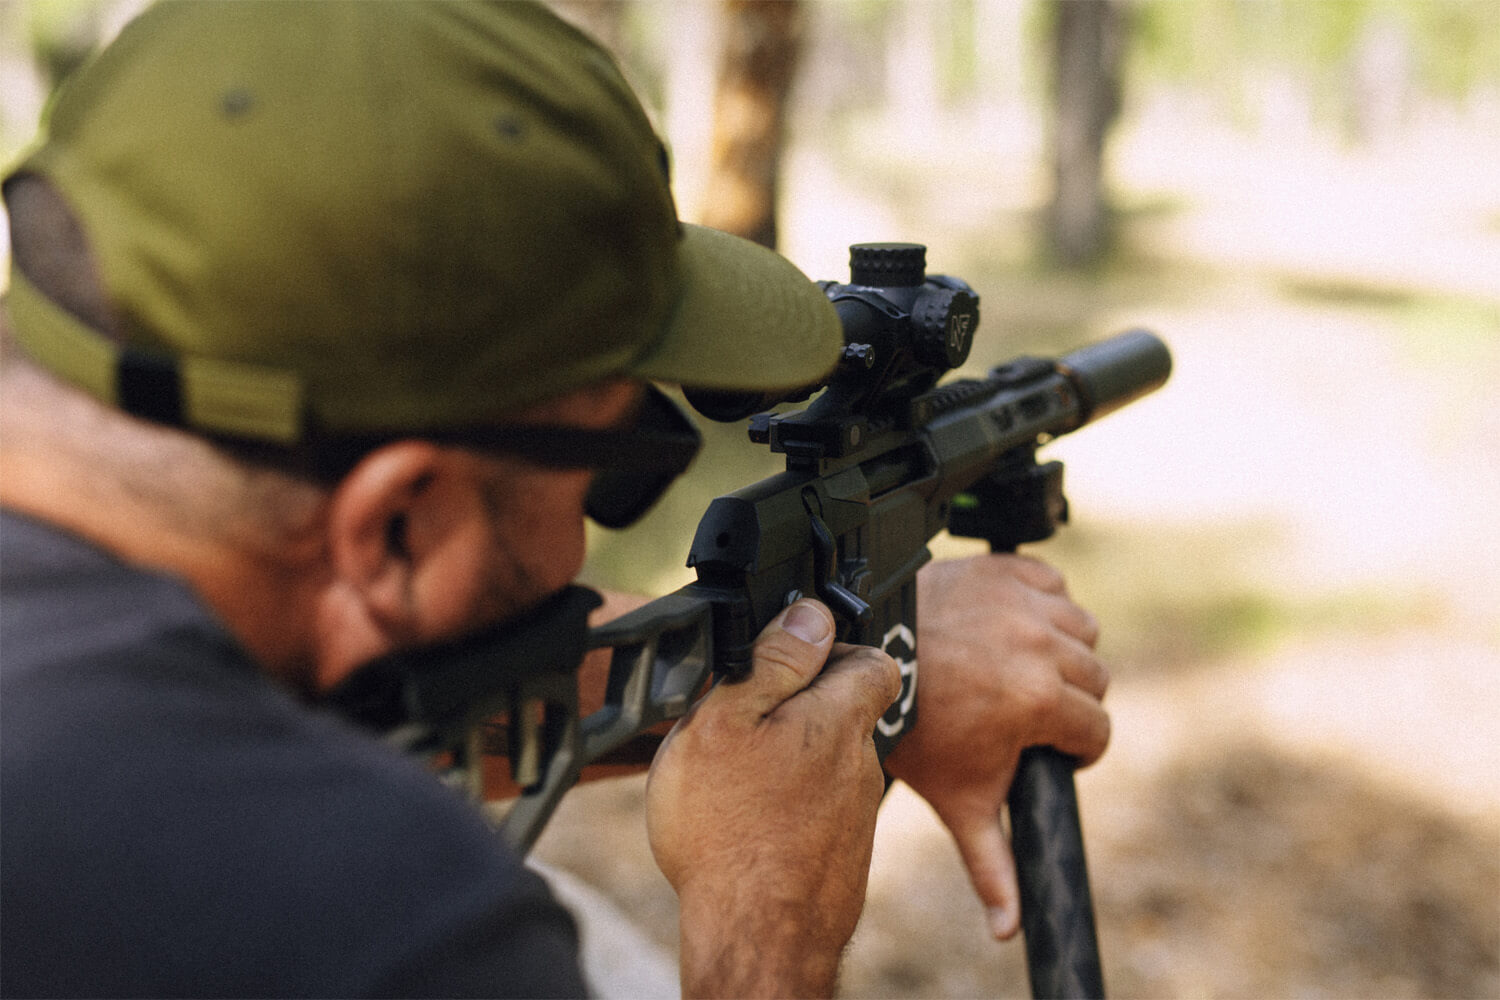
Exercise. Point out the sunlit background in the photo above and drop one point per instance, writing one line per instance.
(1292, 547)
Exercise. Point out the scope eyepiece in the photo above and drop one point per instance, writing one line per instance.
(728, 405)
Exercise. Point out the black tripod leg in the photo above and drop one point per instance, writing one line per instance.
(1057, 909)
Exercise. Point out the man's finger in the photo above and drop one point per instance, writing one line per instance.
(788, 654)
(864, 679)
(1079, 727)
(992, 871)
(1034, 573)
(1075, 621)
(1082, 669)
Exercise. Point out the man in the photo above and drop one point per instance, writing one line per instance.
(306, 301)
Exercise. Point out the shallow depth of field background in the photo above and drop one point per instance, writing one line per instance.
(1292, 547)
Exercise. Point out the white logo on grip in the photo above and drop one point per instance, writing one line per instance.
(901, 645)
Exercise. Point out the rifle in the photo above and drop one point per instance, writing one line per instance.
(878, 464)
(881, 462)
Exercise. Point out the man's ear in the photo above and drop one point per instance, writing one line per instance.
(369, 537)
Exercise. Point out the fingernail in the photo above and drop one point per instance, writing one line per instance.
(807, 623)
(1002, 925)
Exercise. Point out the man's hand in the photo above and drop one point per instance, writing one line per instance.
(1007, 661)
(761, 811)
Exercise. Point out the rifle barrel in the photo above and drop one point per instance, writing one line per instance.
(1117, 371)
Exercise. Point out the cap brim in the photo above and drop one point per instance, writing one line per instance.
(745, 318)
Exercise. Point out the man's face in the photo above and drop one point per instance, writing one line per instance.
(522, 529)
(426, 542)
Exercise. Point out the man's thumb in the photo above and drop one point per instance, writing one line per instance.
(789, 653)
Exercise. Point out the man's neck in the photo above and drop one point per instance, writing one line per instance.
(257, 598)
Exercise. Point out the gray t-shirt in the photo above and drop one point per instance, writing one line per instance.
(173, 823)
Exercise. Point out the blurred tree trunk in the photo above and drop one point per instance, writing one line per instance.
(604, 19)
(762, 41)
(1088, 44)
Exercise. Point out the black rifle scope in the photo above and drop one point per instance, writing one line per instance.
(903, 328)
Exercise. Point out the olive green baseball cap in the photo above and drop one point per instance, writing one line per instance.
(318, 218)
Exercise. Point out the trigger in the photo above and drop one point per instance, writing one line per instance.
(842, 601)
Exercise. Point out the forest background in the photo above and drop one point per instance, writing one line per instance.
(1292, 546)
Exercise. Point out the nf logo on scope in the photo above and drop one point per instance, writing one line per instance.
(958, 330)
(900, 645)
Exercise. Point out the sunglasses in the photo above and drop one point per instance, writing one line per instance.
(633, 464)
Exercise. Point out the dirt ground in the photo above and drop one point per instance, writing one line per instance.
(1226, 860)
(1292, 549)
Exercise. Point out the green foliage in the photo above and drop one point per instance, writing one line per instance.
(63, 33)
(1457, 44)
(1454, 45)
(1196, 596)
